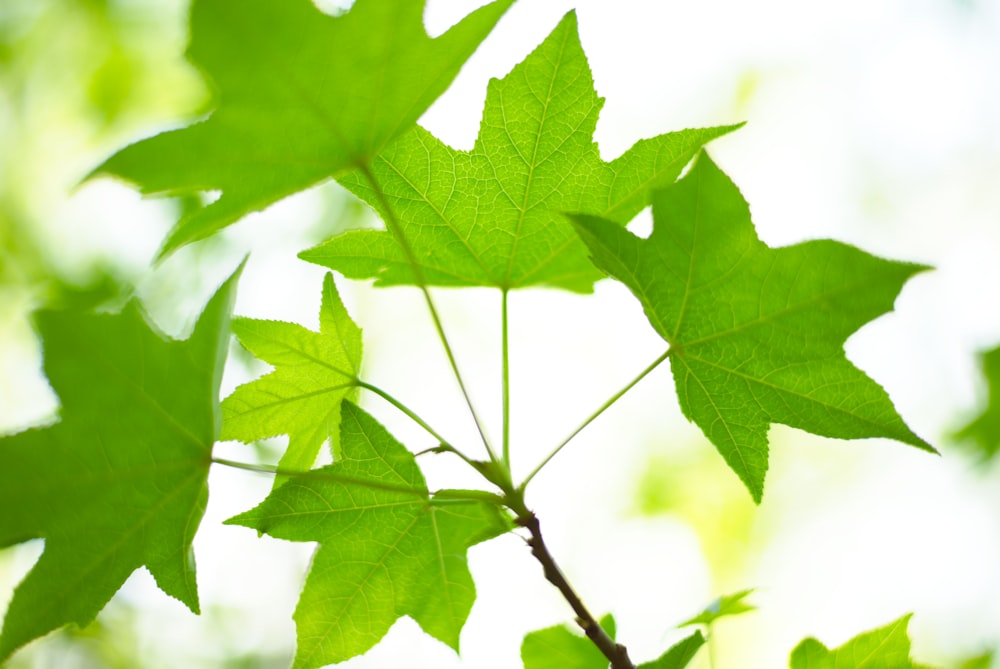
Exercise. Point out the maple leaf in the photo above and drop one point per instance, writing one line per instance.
(314, 371)
(121, 481)
(490, 216)
(884, 648)
(387, 547)
(300, 96)
(727, 605)
(559, 647)
(756, 334)
(983, 433)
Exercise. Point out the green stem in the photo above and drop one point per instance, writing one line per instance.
(604, 407)
(320, 475)
(405, 409)
(418, 274)
(505, 345)
(441, 496)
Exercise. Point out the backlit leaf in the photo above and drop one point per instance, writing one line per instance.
(884, 648)
(490, 216)
(387, 547)
(756, 334)
(300, 96)
(121, 481)
(313, 372)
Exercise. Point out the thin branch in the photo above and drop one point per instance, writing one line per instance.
(615, 652)
(604, 407)
(418, 274)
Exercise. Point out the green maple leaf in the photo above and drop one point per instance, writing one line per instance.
(756, 334)
(559, 647)
(884, 648)
(300, 96)
(387, 547)
(314, 371)
(490, 216)
(983, 433)
(727, 605)
(121, 481)
(679, 655)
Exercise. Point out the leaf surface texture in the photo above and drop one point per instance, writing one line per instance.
(387, 547)
(490, 216)
(314, 371)
(756, 334)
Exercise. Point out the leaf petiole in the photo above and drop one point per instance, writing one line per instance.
(604, 407)
(418, 274)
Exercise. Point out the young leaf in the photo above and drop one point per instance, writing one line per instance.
(756, 334)
(300, 96)
(490, 217)
(559, 647)
(679, 655)
(727, 605)
(314, 371)
(387, 548)
(983, 433)
(121, 481)
(884, 648)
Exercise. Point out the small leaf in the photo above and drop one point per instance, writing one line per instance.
(884, 648)
(727, 605)
(560, 647)
(314, 371)
(299, 96)
(679, 655)
(121, 481)
(983, 433)
(756, 334)
(490, 216)
(387, 548)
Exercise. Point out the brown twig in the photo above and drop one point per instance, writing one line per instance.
(615, 652)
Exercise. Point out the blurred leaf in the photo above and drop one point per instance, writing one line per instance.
(727, 605)
(883, 648)
(121, 481)
(301, 96)
(560, 647)
(983, 433)
(679, 655)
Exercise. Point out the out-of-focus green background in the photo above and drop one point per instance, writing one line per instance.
(872, 122)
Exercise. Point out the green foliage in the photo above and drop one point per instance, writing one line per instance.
(727, 605)
(121, 481)
(387, 547)
(558, 647)
(300, 96)
(884, 648)
(756, 334)
(983, 432)
(301, 397)
(490, 216)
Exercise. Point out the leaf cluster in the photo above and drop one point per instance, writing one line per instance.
(753, 335)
